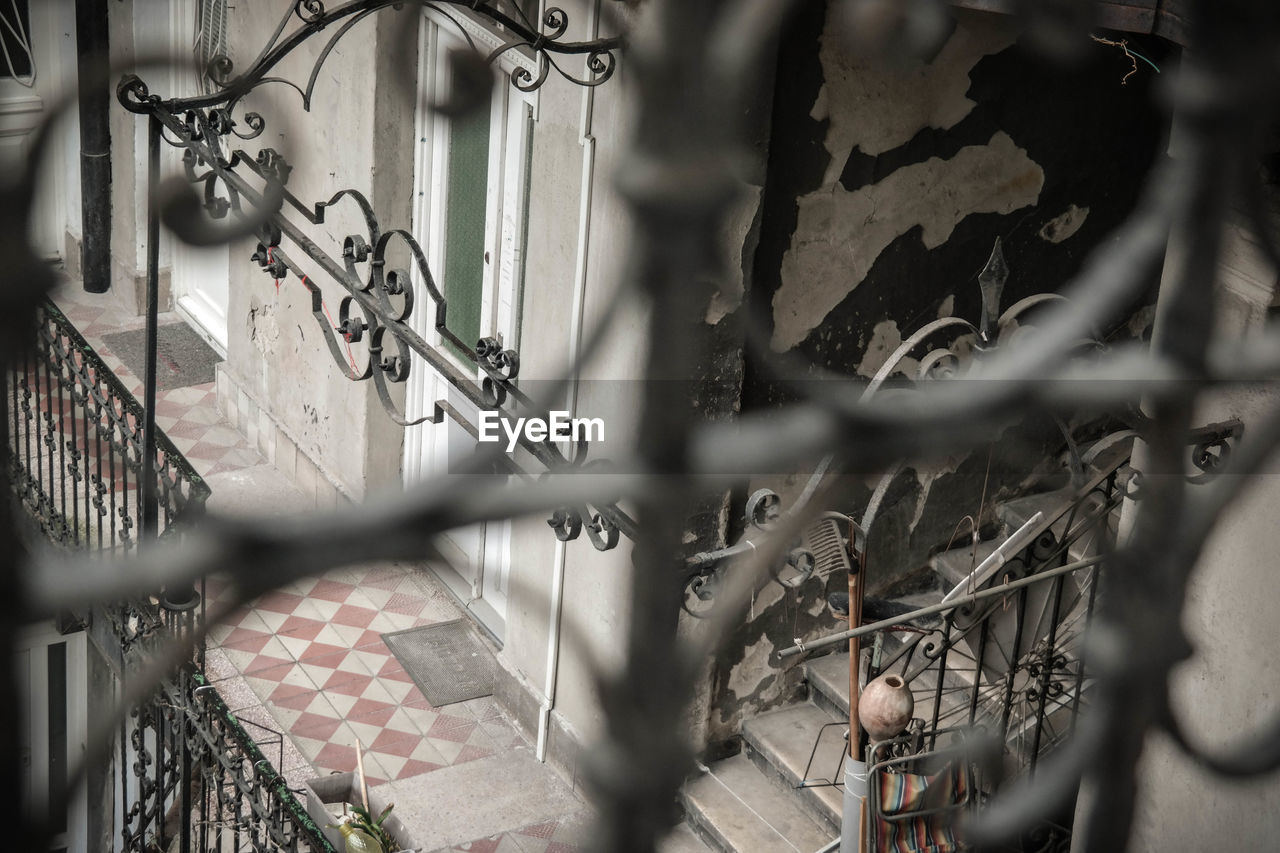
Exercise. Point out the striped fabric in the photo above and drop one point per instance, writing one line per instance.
(904, 793)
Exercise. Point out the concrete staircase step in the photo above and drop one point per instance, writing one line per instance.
(953, 705)
(920, 600)
(1014, 513)
(682, 839)
(955, 565)
(829, 683)
(781, 742)
(829, 688)
(737, 809)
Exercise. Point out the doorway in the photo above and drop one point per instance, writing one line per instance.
(471, 190)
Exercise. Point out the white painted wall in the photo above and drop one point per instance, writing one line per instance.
(29, 101)
(1228, 689)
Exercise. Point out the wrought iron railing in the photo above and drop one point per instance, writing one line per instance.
(1012, 664)
(197, 780)
(1010, 667)
(188, 771)
(76, 438)
(191, 777)
(379, 304)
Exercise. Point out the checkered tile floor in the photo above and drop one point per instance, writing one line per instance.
(188, 416)
(304, 666)
(312, 655)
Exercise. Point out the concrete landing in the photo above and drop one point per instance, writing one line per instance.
(955, 565)
(256, 491)
(829, 682)
(478, 799)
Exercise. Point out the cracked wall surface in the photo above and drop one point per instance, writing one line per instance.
(933, 94)
(840, 233)
(886, 191)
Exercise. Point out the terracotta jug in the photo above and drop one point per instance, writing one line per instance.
(885, 707)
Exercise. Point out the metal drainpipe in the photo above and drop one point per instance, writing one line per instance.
(588, 143)
(92, 41)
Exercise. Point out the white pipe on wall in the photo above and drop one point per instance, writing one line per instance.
(588, 143)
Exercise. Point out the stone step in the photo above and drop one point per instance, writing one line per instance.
(953, 704)
(829, 687)
(682, 839)
(916, 601)
(955, 565)
(781, 742)
(829, 682)
(1014, 513)
(737, 809)
(829, 675)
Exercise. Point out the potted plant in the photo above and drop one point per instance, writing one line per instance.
(337, 800)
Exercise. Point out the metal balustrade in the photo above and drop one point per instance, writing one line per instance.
(1013, 665)
(199, 779)
(188, 770)
(76, 447)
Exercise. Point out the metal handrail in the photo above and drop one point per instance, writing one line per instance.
(1028, 533)
(217, 715)
(934, 609)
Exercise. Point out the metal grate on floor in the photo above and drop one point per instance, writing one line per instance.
(448, 662)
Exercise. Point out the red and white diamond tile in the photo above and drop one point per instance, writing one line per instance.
(307, 660)
(188, 416)
(313, 655)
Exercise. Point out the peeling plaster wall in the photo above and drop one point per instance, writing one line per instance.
(933, 95)
(886, 191)
(840, 234)
(746, 678)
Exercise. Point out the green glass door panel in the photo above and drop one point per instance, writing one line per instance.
(466, 198)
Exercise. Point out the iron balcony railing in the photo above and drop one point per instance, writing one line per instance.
(1008, 667)
(188, 771)
(1001, 656)
(198, 780)
(76, 442)
(1013, 664)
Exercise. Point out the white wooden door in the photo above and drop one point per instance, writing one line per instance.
(200, 276)
(484, 170)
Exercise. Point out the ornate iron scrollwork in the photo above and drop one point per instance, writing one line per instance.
(379, 304)
(1211, 448)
